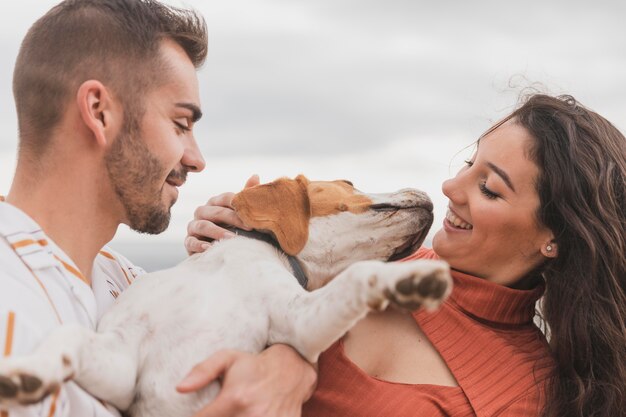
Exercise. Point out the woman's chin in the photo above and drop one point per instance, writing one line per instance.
(438, 240)
(444, 247)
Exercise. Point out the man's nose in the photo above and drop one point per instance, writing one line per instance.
(192, 157)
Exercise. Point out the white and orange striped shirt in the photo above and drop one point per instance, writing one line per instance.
(41, 288)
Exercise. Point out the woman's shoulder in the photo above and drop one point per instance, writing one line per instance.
(422, 253)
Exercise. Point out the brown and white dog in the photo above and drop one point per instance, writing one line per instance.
(241, 294)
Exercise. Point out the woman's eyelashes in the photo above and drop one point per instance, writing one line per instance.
(483, 185)
(487, 192)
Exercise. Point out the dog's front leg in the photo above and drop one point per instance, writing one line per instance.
(101, 363)
(311, 322)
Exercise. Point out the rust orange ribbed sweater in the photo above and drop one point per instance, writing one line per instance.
(486, 335)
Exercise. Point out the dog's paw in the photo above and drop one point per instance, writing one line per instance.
(28, 379)
(410, 285)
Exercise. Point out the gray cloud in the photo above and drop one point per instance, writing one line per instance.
(302, 77)
(384, 93)
(332, 75)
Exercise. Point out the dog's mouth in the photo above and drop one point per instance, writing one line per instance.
(387, 207)
(410, 246)
(382, 207)
(414, 242)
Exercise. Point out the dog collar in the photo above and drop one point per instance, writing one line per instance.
(298, 272)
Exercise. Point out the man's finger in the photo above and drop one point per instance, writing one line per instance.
(252, 181)
(205, 372)
(195, 245)
(220, 407)
(224, 200)
(211, 212)
(207, 229)
(221, 215)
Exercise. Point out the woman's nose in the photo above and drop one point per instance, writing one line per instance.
(455, 191)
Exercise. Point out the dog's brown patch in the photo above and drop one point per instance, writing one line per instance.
(281, 207)
(285, 206)
(332, 197)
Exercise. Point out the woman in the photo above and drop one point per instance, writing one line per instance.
(538, 210)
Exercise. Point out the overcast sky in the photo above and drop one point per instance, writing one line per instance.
(385, 93)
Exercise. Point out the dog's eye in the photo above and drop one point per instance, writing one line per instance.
(348, 182)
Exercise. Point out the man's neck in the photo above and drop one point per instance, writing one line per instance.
(70, 209)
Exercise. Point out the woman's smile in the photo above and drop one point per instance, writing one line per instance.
(452, 220)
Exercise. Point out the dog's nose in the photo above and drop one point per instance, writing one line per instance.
(418, 198)
(426, 204)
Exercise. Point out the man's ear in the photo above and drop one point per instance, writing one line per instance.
(281, 207)
(97, 110)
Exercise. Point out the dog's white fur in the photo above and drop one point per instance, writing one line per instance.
(241, 294)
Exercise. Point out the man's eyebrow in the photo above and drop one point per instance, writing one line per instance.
(197, 113)
(505, 177)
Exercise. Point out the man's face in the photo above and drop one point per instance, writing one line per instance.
(152, 155)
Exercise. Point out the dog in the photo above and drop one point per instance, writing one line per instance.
(242, 294)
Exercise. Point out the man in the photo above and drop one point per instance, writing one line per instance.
(107, 96)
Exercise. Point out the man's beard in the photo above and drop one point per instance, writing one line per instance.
(136, 176)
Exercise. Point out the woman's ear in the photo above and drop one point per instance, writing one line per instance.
(97, 110)
(550, 249)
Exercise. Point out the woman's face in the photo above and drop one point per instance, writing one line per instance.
(490, 229)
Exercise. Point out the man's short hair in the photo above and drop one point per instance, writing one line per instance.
(114, 41)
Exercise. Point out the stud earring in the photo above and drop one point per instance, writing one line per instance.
(549, 248)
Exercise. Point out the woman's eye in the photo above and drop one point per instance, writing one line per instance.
(487, 192)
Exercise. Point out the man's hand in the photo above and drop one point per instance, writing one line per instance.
(273, 383)
(218, 210)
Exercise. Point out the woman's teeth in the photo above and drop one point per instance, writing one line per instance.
(458, 222)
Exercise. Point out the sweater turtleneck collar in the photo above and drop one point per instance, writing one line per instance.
(486, 301)
(495, 303)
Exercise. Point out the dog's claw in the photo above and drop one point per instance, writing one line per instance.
(405, 286)
(26, 380)
(30, 383)
(8, 388)
(419, 284)
(431, 286)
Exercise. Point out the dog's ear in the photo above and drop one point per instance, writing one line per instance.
(281, 207)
